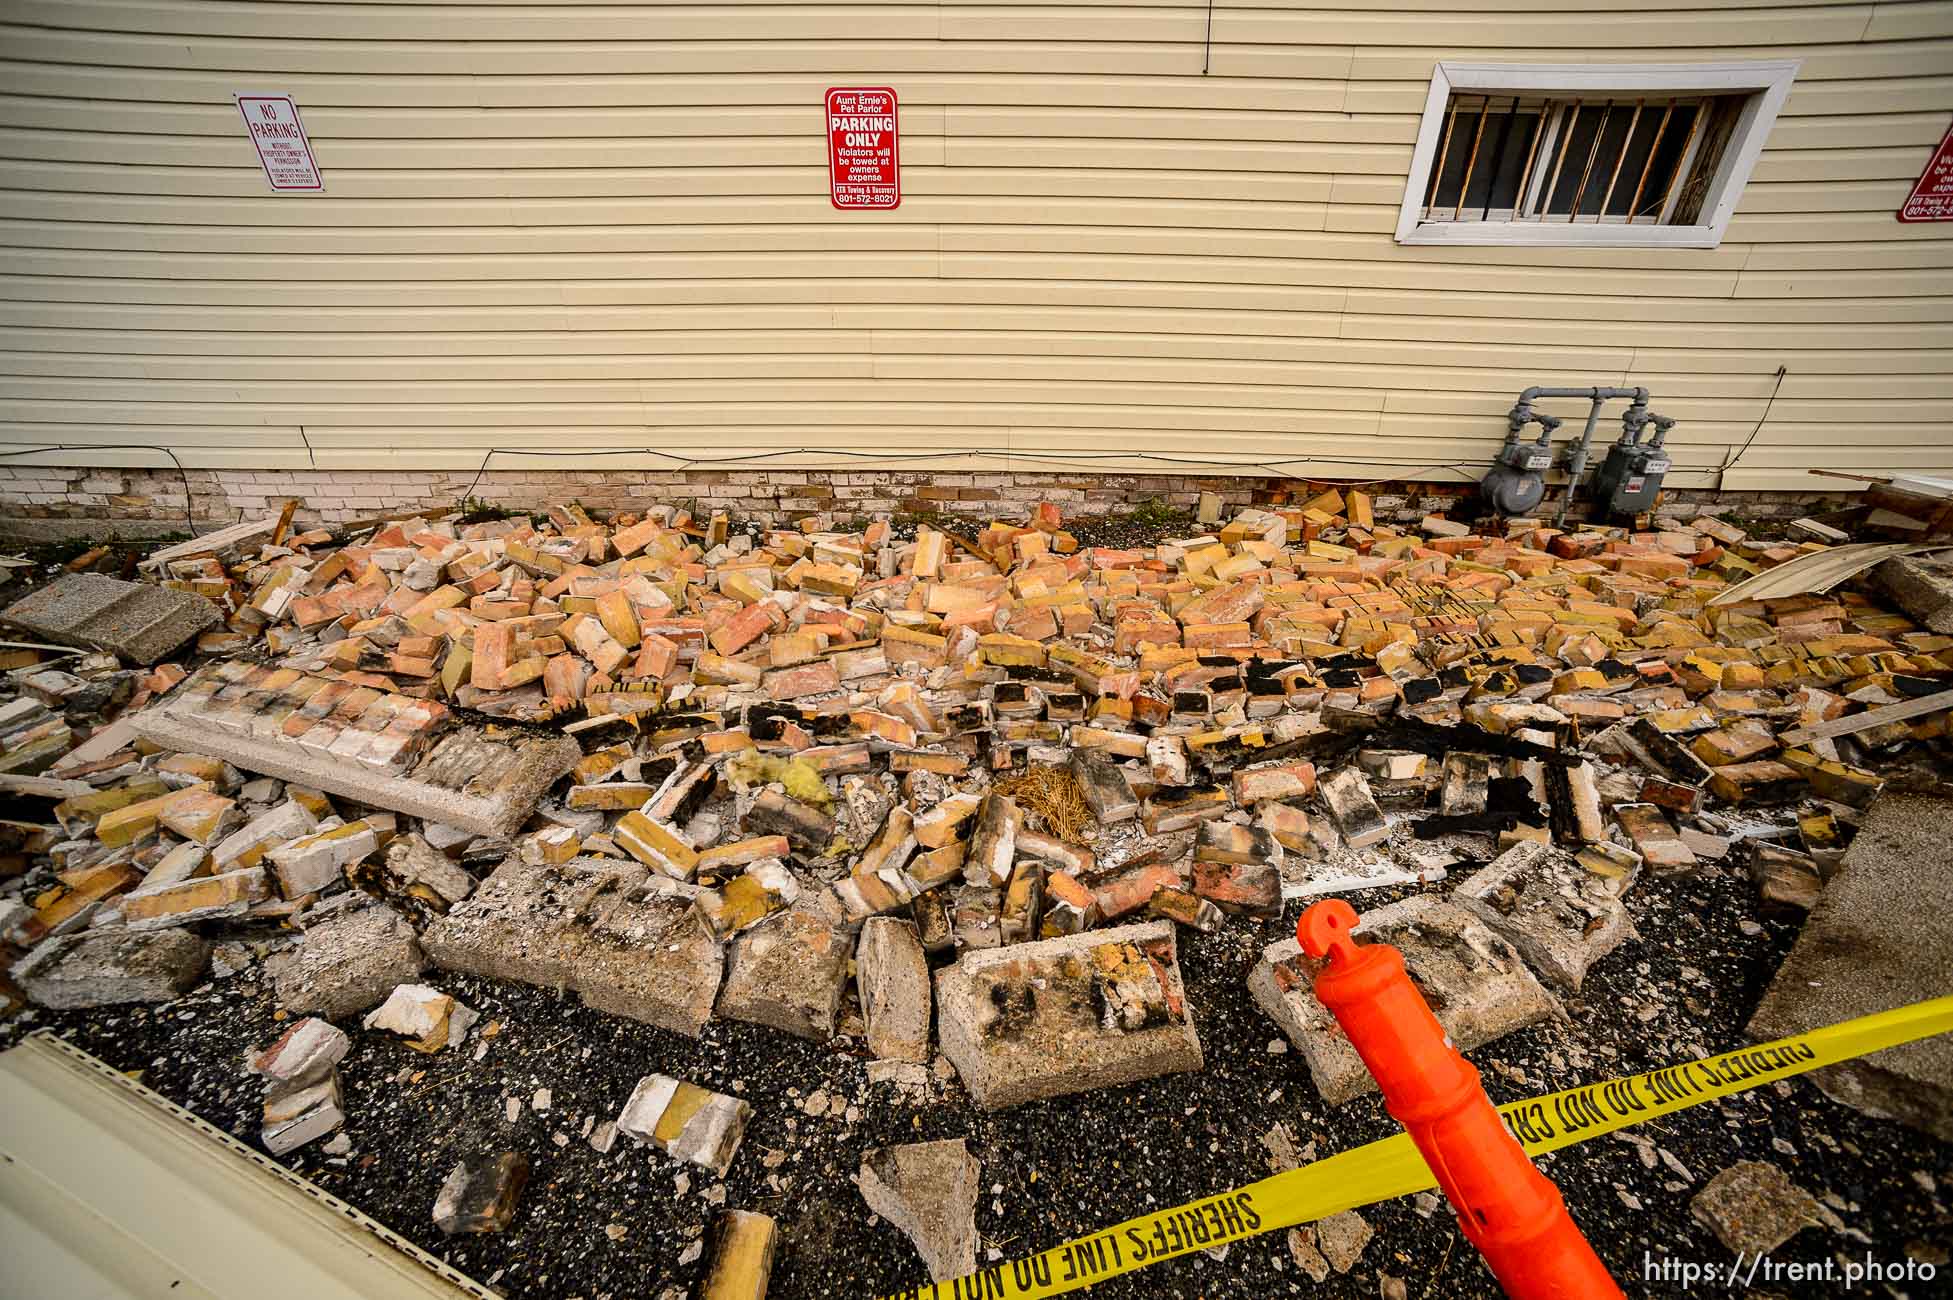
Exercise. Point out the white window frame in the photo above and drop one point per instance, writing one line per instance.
(1768, 84)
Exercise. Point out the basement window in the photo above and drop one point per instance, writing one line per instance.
(1647, 156)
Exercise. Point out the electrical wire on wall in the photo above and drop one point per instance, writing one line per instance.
(189, 503)
(1722, 471)
(1049, 459)
(1039, 459)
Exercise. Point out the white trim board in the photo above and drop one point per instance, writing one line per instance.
(110, 1192)
(1768, 79)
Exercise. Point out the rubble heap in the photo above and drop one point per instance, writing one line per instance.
(689, 771)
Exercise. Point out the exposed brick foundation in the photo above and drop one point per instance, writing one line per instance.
(46, 502)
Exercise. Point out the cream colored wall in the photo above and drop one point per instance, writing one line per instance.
(587, 228)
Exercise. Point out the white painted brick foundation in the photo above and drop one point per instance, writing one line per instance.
(41, 501)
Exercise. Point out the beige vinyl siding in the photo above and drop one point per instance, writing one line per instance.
(605, 228)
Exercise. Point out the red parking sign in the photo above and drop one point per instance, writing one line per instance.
(864, 166)
(1932, 198)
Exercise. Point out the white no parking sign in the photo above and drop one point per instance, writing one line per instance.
(279, 137)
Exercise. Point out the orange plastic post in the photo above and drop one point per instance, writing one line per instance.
(1505, 1207)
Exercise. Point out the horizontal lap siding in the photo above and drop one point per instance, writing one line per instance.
(605, 229)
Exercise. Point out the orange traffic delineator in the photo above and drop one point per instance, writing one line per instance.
(1506, 1207)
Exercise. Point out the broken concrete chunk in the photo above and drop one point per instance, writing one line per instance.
(103, 968)
(893, 976)
(302, 1054)
(1302, 1250)
(139, 621)
(1892, 886)
(928, 1191)
(685, 1121)
(1341, 1239)
(295, 1114)
(481, 1192)
(591, 925)
(1067, 1015)
(788, 973)
(1921, 585)
(1560, 916)
(1475, 982)
(423, 1015)
(347, 964)
(1753, 1208)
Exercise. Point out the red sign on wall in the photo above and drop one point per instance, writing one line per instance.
(1932, 198)
(864, 166)
(279, 136)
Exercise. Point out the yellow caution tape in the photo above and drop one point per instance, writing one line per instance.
(1394, 1167)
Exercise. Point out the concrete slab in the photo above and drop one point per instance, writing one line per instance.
(1881, 936)
(347, 964)
(112, 966)
(605, 929)
(788, 973)
(893, 976)
(391, 751)
(1560, 916)
(1477, 986)
(141, 623)
(1921, 585)
(1048, 1019)
(928, 1190)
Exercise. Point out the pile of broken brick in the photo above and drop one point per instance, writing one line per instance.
(688, 771)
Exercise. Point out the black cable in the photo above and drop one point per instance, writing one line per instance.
(189, 502)
(1207, 50)
(1722, 474)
